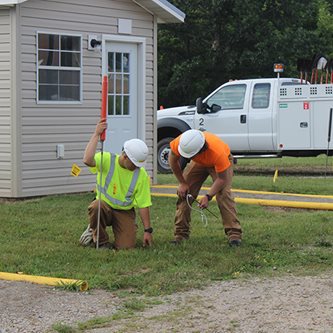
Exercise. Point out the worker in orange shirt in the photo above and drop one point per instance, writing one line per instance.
(208, 155)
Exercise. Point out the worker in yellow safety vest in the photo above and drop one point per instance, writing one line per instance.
(124, 186)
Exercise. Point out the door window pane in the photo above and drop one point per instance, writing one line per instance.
(118, 105)
(111, 105)
(119, 83)
(111, 84)
(119, 80)
(126, 84)
(126, 105)
(118, 62)
(126, 58)
(111, 67)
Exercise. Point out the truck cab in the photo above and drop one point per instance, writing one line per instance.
(246, 119)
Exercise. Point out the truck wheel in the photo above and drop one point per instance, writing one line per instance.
(163, 149)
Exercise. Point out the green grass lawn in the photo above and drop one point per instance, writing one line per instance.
(305, 164)
(286, 184)
(40, 237)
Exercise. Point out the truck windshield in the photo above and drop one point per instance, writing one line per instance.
(229, 97)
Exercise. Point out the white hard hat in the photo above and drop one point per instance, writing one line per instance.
(137, 151)
(190, 143)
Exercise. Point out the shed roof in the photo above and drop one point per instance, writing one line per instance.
(163, 9)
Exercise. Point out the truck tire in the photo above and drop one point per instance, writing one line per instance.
(163, 149)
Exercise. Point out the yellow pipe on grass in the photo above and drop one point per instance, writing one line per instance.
(265, 202)
(289, 204)
(59, 282)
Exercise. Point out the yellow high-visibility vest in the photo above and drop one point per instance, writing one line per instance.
(121, 188)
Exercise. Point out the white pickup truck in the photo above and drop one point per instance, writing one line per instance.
(257, 118)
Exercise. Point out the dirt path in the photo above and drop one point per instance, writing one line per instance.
(282, 304)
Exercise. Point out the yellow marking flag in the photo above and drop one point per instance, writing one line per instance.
(75, 170)
(275, 175)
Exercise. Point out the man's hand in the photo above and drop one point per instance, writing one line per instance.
(89, 153)
(101, 127)
(182, 190)
(145, 217)
(147, 239)
(174, 162)
(203, 202)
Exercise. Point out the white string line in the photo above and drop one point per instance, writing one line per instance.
(204, 219)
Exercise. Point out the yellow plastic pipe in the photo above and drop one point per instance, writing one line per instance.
(44, 280)
(289, 204)
(264, 202)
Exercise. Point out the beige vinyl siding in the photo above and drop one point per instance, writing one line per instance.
(44, 126)
(5, 105)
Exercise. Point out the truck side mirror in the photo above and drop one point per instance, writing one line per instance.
(200, 106)
(215, 108)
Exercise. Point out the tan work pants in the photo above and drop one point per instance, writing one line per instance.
(122, 222)
(195, 175)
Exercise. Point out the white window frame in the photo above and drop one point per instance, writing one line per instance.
(59, 67)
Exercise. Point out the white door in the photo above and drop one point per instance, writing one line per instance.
(261, 117)
(122, 71)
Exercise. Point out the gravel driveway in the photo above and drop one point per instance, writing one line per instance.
(281, 304)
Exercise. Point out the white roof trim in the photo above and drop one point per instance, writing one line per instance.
(162, 9)
(11, 2)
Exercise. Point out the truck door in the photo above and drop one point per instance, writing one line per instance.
(261, 117)
(231, 122)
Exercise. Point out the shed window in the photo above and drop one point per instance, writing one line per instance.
(59, 68)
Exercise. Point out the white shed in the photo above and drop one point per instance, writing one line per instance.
(53, 54)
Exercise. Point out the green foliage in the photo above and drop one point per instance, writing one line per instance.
(325, 23)
(222, 40)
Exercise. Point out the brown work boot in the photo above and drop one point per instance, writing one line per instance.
(234, 236)
(178, 240)
(104, 246)
(235, 242)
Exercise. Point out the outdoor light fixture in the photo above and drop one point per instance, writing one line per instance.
(94, 43)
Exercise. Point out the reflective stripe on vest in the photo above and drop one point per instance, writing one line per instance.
(128, 201)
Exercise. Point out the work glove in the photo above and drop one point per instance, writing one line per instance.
(87, 237)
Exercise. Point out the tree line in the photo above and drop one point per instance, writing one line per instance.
(236, 39)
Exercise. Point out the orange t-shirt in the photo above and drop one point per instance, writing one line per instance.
(216, 155)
